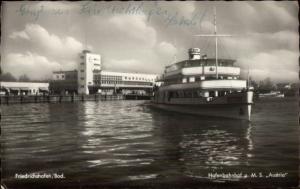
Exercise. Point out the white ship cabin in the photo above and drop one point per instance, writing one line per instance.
(200, 76)
(199, 68)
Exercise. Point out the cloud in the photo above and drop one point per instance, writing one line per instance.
(20, 34)
(48, 44)
(44, 48)
(279, 13)
(127, 65)
(132, 29)
(33, 65)
(185, 9)
(263, 32)
(166, 49)
(278, 64)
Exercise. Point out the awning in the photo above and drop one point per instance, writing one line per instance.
(24, 89)
(14, 88)
(43, 89)
(5, 88)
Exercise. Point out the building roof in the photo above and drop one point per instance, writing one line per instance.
(126, 73)
(197, 62)
(68, 71)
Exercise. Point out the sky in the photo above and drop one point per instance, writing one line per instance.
(41, 37)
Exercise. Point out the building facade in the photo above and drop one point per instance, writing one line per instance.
(118, 82)
(90, 79)
(64, 82)
(24, 88)
(89, 63)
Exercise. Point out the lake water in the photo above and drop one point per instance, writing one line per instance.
(126, 143)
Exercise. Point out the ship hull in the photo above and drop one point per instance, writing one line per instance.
(232, 111)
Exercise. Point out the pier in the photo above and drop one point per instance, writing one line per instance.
(22, 99)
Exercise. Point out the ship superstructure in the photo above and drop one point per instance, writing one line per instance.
(205, 86)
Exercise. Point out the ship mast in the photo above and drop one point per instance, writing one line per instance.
(216, 39)
(215, 23)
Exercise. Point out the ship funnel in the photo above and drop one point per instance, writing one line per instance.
(194, 54)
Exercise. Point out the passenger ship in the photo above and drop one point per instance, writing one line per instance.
(205, 86)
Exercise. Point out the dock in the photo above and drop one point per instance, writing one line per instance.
(22, 99)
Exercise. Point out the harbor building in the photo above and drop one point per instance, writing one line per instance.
(91, 79)
(89, 64)
(64, 82)
(125, 83)
(24, 88)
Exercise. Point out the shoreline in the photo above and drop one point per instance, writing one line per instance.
(24, 99)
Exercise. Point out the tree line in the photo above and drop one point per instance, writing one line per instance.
(267, 85)
(23, 78)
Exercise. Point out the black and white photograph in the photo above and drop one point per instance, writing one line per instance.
(149, 94)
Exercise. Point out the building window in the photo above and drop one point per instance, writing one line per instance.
(82, 70)
(82, 78)
(82, 86)
(192, 79)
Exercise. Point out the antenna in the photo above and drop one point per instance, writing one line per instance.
(85, 33)
(216, 39)
(248, 78)
(215, 22)
(85, 38)
(175, 55)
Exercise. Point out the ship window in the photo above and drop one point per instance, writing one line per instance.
(175, 95)
(201, 93)
(195, 94)
(221, 93)
(170, 95)
(187, 94)
(211, 93)
(180, 94)
(192, 79)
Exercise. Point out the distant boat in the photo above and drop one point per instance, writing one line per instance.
(276, 94)
(204, 86)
